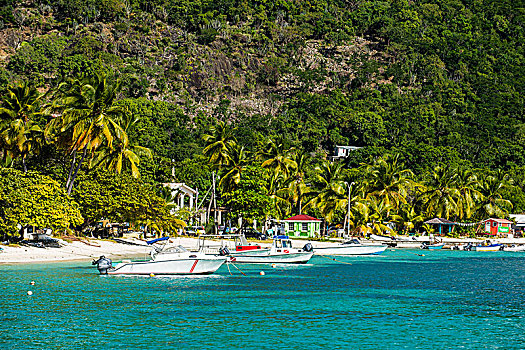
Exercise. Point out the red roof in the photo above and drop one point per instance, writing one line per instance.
(302, 218)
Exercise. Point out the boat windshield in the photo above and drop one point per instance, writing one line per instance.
(352, 241)
(287, 244)
(174, 249)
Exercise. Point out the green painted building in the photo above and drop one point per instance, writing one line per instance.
(302, 226)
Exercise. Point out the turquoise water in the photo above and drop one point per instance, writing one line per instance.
(444, 300)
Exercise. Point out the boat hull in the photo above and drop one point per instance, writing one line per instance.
(515, 249)
(270, 257)
(432, 246)
(169, 267)
(491, 248)
(351, 250)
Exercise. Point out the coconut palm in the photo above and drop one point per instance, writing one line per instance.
(296, 189)
(467, 183)
(20, 139)
(235, 162)
(329, 192)
(276, 157)
(21, 102)
(19, 134)
(406, 218)
(388, 180)
(89, 118)
(278, 193)
(492, 203)
(441, 197)
(379, 214)
(219, 143)
(121, 154)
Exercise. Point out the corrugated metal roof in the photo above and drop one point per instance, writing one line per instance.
(439, 221)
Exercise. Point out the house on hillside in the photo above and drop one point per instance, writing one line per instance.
(343, 151)
(302, 226)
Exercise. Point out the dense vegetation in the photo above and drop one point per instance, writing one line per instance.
(436, 85)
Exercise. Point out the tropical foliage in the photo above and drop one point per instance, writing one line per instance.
(430, 91)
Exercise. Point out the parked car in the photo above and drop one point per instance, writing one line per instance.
(250, 232)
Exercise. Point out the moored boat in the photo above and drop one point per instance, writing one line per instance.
(165, 260)
(432, 246)
(351, 247)
(494, 247)
(281, 251)
(514, 248)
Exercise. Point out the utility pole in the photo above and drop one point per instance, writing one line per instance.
(214, 205)
(348, 210)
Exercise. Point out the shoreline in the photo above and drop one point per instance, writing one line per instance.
(94, 248)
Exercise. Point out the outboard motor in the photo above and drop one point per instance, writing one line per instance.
(103, 264)
(224, 251)
(308, 247)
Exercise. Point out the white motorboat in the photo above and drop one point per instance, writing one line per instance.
(281, 252)
(165, 260)
(352, 247)
(486, 248)
(514, 248)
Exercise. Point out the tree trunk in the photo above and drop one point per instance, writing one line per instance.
(70, 188)
(24, 163)
(71, 169)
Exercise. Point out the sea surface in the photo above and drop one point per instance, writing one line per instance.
(398, 300)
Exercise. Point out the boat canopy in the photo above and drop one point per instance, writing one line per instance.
(158, 240)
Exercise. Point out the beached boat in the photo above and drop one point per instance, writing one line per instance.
(352, 247)
(281, 251)
(165, 260)
(432, 246)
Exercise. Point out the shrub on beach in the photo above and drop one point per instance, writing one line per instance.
(34, 199)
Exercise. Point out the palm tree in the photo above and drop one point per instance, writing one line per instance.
(406, 218)
(441, 197)
(22, 102)
(19, 134)
(275, 188)
(20, 139)
(466, 182)
(296, 189)
(277, 158)
(491, 201)
(235, 162)
(379, 214)
(121, 152)
(89, 118)
(219, 143)
(329, 193)
(387, 179)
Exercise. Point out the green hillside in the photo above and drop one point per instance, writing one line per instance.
(437, 83)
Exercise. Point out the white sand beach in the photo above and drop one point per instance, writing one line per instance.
(94, 248)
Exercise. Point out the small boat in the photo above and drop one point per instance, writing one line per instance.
(352, 247)
(486, 248)
(165, 260)
(514, 248)
(281, 251)
(432, 246)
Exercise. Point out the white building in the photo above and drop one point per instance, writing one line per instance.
(180, 190)
(344, 151)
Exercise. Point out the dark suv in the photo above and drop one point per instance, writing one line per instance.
(250, 232)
